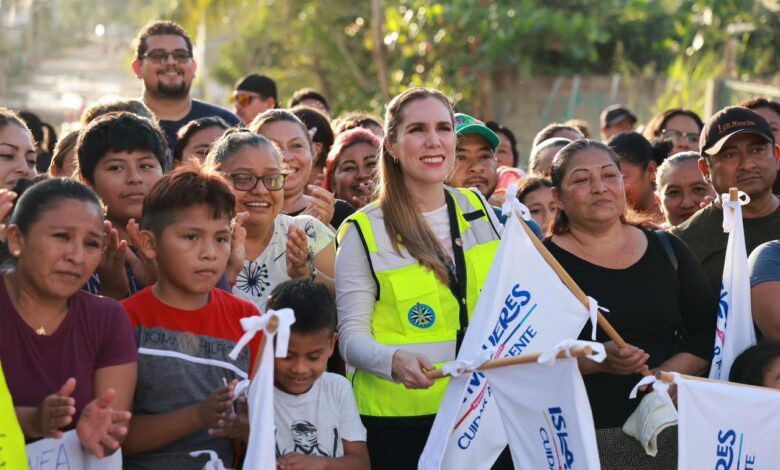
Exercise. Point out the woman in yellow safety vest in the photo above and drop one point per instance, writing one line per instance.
(409, 270)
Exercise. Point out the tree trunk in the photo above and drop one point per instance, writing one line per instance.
(378, 19)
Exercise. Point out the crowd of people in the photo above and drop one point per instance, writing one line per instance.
(133, 246)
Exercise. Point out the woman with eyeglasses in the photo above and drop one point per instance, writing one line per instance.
(681, 127)
(276, 247)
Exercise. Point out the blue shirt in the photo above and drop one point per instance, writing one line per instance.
(531, 223)
(198, 110)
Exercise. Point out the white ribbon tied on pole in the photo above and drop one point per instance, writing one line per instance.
(214, 462)
(261, 449)
(551, 355)
(655, 413)
(457, 368)
(512, 204)
(729, 215)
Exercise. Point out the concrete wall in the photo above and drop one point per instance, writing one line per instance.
(527, 105)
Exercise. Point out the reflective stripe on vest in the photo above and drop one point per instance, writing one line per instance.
(414, 310)
(12, 450)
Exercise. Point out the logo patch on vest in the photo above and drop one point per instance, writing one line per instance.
(422, 316)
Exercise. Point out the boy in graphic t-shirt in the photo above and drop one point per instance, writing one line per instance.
(184, 327)
(317, 421)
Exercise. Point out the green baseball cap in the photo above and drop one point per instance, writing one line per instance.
(465, 124)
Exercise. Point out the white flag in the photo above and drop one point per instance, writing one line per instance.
(261, 449)
(727, 426)
(734, 331)
(524, 307)
(546, 415)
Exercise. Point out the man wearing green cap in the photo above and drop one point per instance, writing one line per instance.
(475, 161)
(475, 156)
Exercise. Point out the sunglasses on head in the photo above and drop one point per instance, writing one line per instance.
(242, 100)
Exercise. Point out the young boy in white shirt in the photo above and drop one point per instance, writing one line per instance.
(317, 420)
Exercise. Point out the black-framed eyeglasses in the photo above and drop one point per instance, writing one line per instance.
(669, 135)
(160, 56)
(244, 182)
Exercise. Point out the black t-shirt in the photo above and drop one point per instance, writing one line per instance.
(341, 211)
(649, 305)
(198, 110)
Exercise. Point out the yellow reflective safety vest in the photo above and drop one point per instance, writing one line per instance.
(413, 309)
(12, 452)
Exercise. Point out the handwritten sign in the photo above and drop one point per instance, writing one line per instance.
(67, 454)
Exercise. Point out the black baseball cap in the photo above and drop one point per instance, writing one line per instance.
(731, 121)
(260, 84)
(615, 114)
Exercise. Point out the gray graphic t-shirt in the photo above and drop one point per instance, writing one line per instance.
(315, 422)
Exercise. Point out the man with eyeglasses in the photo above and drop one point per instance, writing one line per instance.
(738, 150)
(253, 94)
(164, 63)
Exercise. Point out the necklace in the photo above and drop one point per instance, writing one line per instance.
(22, 306)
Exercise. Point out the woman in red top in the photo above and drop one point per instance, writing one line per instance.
(69, 356)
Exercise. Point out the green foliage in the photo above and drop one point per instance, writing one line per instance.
(458, 45)
(686, 84)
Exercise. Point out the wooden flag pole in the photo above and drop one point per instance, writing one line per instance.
(573, 287)
(733, 197)
(576, 351)
(668, 377)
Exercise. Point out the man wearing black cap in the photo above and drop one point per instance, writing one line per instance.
(253, 95)
(738, 150)
(615, 120)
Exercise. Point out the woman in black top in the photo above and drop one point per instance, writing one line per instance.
(665, 312)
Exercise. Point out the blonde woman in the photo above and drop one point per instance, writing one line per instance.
(409, 269)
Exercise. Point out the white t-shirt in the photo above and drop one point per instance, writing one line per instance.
(316, 422)
(259, 276)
